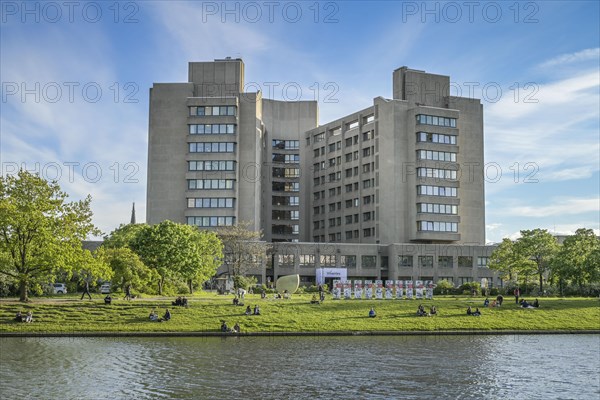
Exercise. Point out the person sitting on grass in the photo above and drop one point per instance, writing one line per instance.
(236, 301)
(236, 328)
(153, 316)
(432, 310)
(500, 299)
(493, 304)
(19, 316)
(224, 327)
(536, 303)
(256, 310)
(372, 313)
(184, 302)
(248, 311)
(108, 299)
(314, 299)
(421, 311)
(486, 302)
(469, 311)
(167, 315)
(263, 294)
(29, 317)
(476, 313)
(177, 301)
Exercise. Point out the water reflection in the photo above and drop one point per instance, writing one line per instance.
(409, 367)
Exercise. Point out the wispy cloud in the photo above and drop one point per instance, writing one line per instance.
(579, 56)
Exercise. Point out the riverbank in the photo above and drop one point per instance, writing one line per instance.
(296, 316)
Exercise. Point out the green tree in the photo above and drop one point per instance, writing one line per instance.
(40, 232)
(576, 260)
(243, 248)
(539, 246)
(122, 236)
(209, 250)
(127, 268)
(177, 251)
(509, 262)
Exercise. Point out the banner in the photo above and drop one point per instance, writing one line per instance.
(369, 290)
(429, 290)
(419, 291)
(347, 285)
(399, 290)
(389, 289)
(337, 289)
(409, 289)
(379, 289)
(358, 289)
(336, 273)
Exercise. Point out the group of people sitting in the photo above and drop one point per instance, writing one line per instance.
(236, 301)
(225, 328)
(525, 304)
(493, 303)
(421, 311)
(475, 313)
(24, 318)
(250, 312)
(314, 299)
(180, 301)
(154, 316)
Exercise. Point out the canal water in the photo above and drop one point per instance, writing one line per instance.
(389, 367)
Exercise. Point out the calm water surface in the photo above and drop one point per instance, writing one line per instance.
(412, 367)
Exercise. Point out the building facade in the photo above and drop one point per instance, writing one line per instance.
(392, 191)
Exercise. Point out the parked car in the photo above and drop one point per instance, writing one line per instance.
(59, 288)
(105, 288)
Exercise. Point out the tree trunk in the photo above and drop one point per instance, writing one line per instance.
(541, 283)
(161, 282)
(191, 286)
(23, 292)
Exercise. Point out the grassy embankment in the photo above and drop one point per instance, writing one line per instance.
(70, 315)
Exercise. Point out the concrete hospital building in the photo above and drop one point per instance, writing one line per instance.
(392, 191)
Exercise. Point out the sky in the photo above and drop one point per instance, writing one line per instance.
(76, 77)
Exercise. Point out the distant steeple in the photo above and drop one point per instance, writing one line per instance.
(133, 214)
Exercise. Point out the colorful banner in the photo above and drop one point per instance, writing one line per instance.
(429, 290)
(347, 285)
(389, 289)
(337, 289)
(409, 289)
(369, 290)
(358, 289)
(399, 285)
(379, 289)
(419, 290)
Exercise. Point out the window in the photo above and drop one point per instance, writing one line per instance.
(348, 261)
(331, 147)
(433, 208)
(306, 260)
(213, 110)
(436, 173)
(285, 201)
(436, 155)
(368, 232)
(348, 142)
(436, 226)
(286, 158)
(368, 261)
(212, 129)
(335, 131)
(367, 199)
(366, 152)
(348, 157)
(352, 125)
(445, 262)
(286, 144)
(405, 261)
(327, 260)
(436, 138)
(425, 190)
(211, 221)
(434, 120)
(319, 137)
(211, 147)
(368, 118)
(367, 136)
(366, 183)
(285, 260)
(367, 216)
(482, 262)
(426, 261)
(285, 214)
(332, 162)
(211, 165)
(348, 173)
(285, 186)
(197, 184)
(366, 167)
(465, 262)
(210, 202)
(316, 153)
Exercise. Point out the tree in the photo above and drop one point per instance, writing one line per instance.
(40, 232)
(127, 268)
(122, 236)
(177, 251)
(576, 259)
(508, 261)
(209, 248)
(243, 248)
(539, 246)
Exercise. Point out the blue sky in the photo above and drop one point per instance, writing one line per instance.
(75, 81)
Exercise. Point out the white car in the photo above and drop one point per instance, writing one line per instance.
(105, 288)
(59, 288)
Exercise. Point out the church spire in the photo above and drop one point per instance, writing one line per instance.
(133, 214)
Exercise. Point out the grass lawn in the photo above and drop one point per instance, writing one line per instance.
(68, 314)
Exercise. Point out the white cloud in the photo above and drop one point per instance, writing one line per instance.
(583, 55)
(571, 206)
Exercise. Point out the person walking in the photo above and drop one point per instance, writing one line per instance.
(86, 290)
(517, 293)
(128, 292)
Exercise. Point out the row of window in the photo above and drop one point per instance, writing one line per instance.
(338, 130)
(286, 158)
(285, 229)
(435, 226)
(434, 120)
(435, 138)
(212, 147)
(444, 191)
(286, 172)
(286, 186)
(285, 200)
(211, 221)
(211, 165)
(436, 173)
(212, 129)
(436, 155)
(443, 261)
(349, 261)
(285, 144)
(285, 214)
(213, 110)
(210, 202)
(194, 184)
(433, 208)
